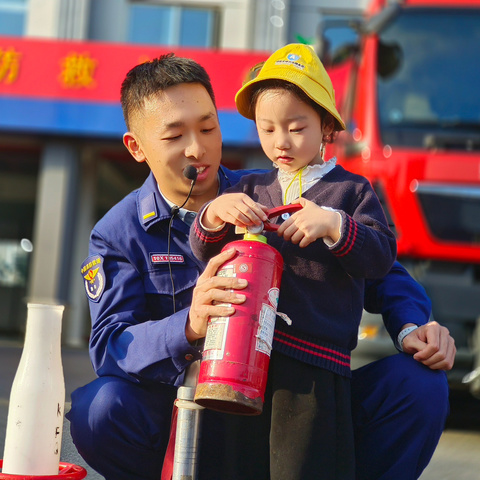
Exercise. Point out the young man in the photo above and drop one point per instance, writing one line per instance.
(150, 303)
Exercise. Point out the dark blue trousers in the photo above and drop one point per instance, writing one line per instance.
(399, 411)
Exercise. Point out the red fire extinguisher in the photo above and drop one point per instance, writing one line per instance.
(236, 355)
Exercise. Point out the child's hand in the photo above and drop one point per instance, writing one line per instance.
(235, 208)
(309, 224)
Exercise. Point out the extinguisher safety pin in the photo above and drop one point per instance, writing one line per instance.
(268, 225)
(277, 211)
(272, 213)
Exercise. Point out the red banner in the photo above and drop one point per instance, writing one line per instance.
(93, 72)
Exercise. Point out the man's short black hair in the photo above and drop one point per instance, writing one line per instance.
(152, 77)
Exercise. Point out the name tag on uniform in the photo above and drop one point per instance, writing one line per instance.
(157, 258)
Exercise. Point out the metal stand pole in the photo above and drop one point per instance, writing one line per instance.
(473, 378)
(185, 466)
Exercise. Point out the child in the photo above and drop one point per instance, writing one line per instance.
(338, 239)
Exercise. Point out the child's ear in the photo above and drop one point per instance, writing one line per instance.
(328, 124)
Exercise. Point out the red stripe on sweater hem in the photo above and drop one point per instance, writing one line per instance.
(311, 344)
(345, 364)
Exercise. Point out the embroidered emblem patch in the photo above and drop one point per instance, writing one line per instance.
(93, 277)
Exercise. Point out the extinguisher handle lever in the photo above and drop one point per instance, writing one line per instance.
(275, 212)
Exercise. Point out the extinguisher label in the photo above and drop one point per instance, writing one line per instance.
(266, 328)
(215, 339)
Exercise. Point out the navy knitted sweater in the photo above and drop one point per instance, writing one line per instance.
(322, 288)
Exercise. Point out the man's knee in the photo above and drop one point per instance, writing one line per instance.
(120, 428)
(399, 408)
(425, 388)
(110, 411)
(405, 381)
(96, 407)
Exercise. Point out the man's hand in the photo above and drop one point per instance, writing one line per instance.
(213, 296)
(432, 345)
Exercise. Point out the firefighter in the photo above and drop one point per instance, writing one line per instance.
(150, 302)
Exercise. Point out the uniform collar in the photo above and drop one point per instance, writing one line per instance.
(182, 212)
(151, 206)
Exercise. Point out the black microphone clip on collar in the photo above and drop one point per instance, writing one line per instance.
(191, 173)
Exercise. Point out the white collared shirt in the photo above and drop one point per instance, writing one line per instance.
(310, 175)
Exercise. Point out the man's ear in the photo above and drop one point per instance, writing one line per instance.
(132, 143)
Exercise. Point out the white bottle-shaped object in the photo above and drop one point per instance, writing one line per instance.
(37, 399)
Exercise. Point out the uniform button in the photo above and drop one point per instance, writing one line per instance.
(189, 357)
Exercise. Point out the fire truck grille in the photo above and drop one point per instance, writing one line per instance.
(451, 212)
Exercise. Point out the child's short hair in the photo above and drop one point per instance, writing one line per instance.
(299, 65)
(154, 76)
(275, 83)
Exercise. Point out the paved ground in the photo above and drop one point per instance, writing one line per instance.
(456, 458)
(457, 455)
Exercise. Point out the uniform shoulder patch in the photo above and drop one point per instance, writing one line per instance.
(93, 277)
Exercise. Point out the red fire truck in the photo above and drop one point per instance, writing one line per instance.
(408, 91)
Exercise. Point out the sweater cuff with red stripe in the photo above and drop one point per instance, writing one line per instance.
(351, 238)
